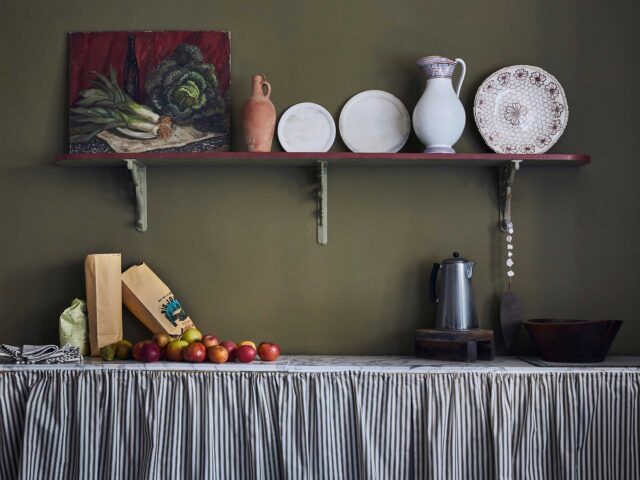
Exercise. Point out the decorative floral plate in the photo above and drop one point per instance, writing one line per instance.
(521, 109)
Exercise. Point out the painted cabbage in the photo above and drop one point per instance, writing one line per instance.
(183, 87)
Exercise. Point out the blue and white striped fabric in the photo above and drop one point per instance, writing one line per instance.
(133, 424)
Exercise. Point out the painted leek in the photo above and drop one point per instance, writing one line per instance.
(106, 107)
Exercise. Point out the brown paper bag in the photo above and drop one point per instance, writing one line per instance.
(104, 299)
(152, 302)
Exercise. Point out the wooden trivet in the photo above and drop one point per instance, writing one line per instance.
(454, 345)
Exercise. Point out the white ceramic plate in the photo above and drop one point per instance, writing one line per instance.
(521, 109)
(374, 121)
(306, 127)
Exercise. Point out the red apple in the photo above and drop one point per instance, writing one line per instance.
(150, 352)
(210, 341)
(161, 339)
(231, 348)
(194, 352)
(191, 335)
(268, 351)
(217, 354)
(246, 354)
(137, 349)
(173, 351)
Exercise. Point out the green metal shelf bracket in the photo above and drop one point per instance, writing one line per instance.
(506, 176)
(321, 228)
(139, 176)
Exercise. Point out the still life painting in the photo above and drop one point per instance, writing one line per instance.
(132, 92)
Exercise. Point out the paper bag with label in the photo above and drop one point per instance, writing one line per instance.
(104, 299)
(152, 302)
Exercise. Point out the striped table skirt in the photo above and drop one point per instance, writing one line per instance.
(136, 424)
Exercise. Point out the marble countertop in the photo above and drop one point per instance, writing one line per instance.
(325, 363)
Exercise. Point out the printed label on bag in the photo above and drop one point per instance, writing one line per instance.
(172, 310)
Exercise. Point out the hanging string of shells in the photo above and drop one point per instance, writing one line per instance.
(510, 262)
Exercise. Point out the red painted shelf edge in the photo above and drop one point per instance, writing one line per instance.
(350, 158)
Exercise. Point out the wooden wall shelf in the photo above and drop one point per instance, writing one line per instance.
(310, 159)
(137, 163)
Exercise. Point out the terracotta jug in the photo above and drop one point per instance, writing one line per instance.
(259, 117)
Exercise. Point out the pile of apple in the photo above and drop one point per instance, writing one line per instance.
(193, 346)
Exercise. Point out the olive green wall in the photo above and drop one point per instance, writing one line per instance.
(238, 244)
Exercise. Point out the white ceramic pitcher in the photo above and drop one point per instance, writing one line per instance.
(439, 117)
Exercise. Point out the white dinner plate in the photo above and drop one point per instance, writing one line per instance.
(521, 109)
(306, 127)
(374, 121)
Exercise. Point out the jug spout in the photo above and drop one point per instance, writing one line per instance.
(469, 268)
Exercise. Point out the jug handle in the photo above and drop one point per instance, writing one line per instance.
(266, 84)
(462, 74)
(432, 283)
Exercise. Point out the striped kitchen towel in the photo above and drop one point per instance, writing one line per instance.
(40, 354)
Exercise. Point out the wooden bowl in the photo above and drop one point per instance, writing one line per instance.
(573, 341)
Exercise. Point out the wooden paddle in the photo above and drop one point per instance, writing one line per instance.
(511, 307)
(511, 317)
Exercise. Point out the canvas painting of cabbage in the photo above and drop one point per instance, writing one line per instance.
(132, 92)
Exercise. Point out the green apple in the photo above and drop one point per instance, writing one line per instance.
(191, 335)
(123, 350)
(108, 352)
(173, 350)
